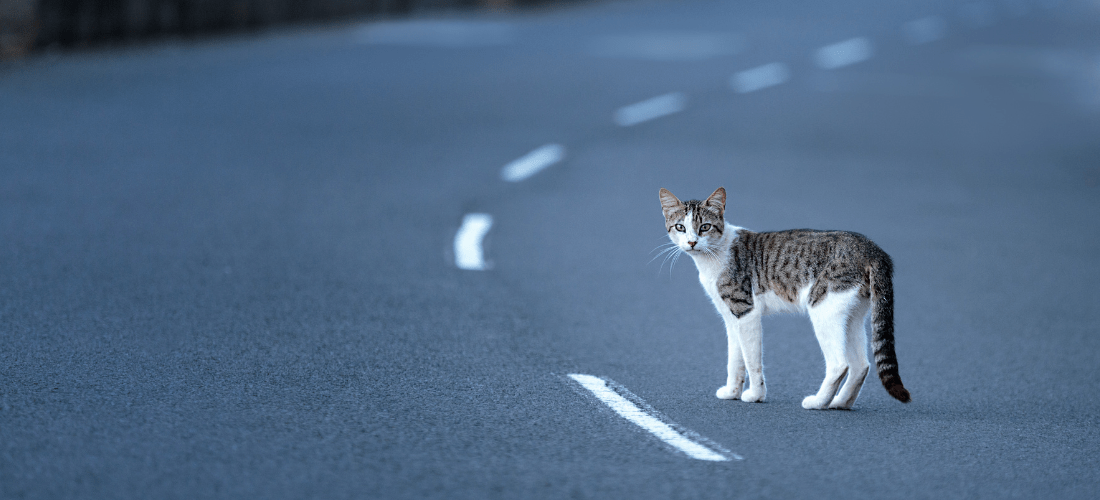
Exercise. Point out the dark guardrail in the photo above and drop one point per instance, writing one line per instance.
(29, 24)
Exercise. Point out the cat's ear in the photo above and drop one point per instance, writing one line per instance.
(717, 199)
(669, 201)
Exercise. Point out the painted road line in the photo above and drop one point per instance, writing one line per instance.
(437, 33)
(843, 53)
(468, 252)
(532, 162)
(924, 30)
(760, 77)
(668, 46)
(662, 105)
(681, 439)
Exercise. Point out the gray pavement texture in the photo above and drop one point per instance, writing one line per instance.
(225, 266)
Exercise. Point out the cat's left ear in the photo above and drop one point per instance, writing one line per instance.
(717, 200)
(669, 201)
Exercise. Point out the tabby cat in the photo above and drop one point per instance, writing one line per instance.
(834, 276)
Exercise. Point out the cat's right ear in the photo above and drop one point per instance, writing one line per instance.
(717, 199)
(669, 201)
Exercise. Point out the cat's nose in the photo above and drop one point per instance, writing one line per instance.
(692, 243)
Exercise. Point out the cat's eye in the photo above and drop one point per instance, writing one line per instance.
(704, 228)
(680, 227)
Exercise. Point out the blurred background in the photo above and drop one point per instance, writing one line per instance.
(230, 238)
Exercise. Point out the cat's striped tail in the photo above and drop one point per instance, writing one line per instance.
(882, 326)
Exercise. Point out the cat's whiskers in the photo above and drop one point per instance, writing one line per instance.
(668, 250)
(663, 252)
(711, 252)
(675, 257)
(666, 247)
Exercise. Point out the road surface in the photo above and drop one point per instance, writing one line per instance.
(228, 267)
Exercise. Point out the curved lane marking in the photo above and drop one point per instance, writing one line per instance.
(844, 53)
(468, 252)
(760, 77)
(662, 105)
(531, 163)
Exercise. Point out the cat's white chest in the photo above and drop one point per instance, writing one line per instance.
(709, 271)
(713, 266)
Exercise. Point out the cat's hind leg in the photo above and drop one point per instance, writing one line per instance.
(856, 354)
(830, 320)
(735, 364)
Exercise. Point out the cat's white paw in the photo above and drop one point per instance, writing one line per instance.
(838, 404)
(727, 392)
(753, 395)
(814, 403)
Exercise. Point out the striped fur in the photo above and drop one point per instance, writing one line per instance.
(882, 328)
(834, 276)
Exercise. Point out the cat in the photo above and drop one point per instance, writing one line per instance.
(837, 277)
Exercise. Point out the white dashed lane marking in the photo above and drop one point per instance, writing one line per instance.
(844, 53)
(437, 33)
(683, 440)
(649, 109)
(468, 252)
(924, 30)
(531, 163)
(760, 77)
(666, 46)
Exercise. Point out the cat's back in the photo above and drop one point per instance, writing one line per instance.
(785, 262)
(808, 245)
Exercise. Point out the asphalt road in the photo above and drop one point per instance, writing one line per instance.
(227, 266)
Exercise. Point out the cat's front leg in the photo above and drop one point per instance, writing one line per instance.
(751, 341)
(750, 334)
(735, 364)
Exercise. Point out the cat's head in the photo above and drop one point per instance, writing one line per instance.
(693, 225)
